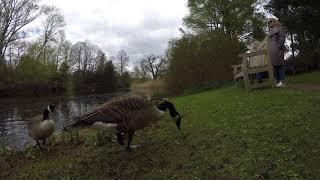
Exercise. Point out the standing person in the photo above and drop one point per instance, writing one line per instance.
(276, 49)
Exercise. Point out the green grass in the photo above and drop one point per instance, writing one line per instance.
(226, 134)
(308, 78)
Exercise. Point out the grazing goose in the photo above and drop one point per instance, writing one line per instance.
(128, 114)
(41, 127)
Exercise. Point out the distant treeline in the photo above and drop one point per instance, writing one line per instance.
(214, 33)
(50, 64)
(39, 79)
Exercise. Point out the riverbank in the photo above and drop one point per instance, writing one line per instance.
(225, 134)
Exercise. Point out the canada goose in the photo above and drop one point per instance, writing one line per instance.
(127, 114)
(41, 127)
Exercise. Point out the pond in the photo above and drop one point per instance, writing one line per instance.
(14, 114)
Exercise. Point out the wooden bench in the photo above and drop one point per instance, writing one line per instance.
(253, 63)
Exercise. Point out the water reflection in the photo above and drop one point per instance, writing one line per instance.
(15, 112)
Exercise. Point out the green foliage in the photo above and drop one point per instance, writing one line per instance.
(203, 60)
(29, 70)
(124, 81)
(103, 138)
(225, 134)
(257, 27)
(3, 71)
(70, 137)
(233, 18)
(298, 16)
(302, 20)
(196, 61)
(106, 77)
(63, 71)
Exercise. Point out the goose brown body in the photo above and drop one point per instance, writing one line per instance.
(129, 112)
(41, 127)
(41, 130)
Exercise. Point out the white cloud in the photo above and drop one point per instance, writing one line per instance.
(139, 27)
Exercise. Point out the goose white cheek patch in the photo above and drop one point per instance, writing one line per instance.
(175, 118)
(48, 108)
(161, 113)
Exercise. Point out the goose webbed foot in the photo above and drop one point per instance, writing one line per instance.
(38, 144)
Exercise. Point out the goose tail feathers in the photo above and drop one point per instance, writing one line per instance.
(84, 120)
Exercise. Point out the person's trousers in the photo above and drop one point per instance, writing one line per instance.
(279, 72)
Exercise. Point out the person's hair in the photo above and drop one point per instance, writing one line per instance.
(276, 22)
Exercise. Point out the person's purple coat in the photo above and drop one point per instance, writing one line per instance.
(276, 45)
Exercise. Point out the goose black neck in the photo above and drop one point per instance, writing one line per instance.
(45, 114)
(168, 105)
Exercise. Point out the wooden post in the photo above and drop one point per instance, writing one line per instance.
(270, 67)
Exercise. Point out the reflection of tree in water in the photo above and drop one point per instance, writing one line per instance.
(14, 115)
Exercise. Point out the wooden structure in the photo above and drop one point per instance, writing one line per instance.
(252, 63)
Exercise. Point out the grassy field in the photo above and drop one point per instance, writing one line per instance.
(226, 134)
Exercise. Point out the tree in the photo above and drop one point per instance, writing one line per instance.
(31, 71)
(61, 49)
(200, 61)
(76, 55)
(155, 65)
(52, 25)
(85, 55)
(109, 76)
(124, 81)
(105, 75)
(15, 51)
(66, 47)
(14, 16)
(302, 19)
(63, 72)
(122, 61)
(139, 72)
(101, 62)
(233, 18)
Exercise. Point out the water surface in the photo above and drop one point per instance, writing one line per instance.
(14, 114)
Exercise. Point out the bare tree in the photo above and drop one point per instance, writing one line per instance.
(62, 49)
(85, 56)
(155, 65)
(76, 55)
(139, 71)
(52, 25)
(136, 72)
(15, 51)
(14, 16)
(122, 61)
(101, 60)
(113, 59)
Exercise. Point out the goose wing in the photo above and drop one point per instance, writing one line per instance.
(117, 109)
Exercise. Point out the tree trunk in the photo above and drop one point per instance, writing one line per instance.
(292, 45)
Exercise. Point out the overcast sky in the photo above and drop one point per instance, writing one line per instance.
(140, 27)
